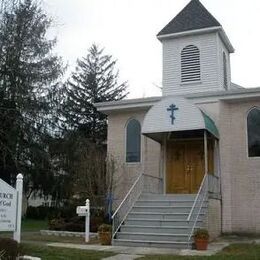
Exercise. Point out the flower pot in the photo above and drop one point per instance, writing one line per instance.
(201, 244)
(105, 238)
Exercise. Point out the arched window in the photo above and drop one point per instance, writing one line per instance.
(253, 132)
(133, 141)
(225, 71)
(190, 64)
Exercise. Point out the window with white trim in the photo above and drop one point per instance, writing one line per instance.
(190, 64)
(253, 132)
(133, 141)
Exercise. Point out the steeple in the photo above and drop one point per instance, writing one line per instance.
(195, 52)
(194, 16)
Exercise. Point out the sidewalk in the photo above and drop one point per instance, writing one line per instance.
(129, 253)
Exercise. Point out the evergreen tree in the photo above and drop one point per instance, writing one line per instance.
(94, 80)
(29, 75)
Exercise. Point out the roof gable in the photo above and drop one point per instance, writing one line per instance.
(194, 16)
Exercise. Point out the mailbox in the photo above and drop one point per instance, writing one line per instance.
(82, 210)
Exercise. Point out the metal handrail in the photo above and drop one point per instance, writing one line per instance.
(118, 223)
(152, 184)
(151, 176)
(203, 191)
(127, 195)
(195, 222)
(197, 196)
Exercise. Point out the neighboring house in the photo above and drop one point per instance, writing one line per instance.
(197, 147)
(37, 199)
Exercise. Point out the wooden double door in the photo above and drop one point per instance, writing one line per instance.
(185, 165)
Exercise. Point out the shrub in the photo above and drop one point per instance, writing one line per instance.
(95, 222)
(74, 227)
(64, 219)
(56, 224)
(40, 212)
(9, 248)
(201, 234)
(76, 224)
(104, 228)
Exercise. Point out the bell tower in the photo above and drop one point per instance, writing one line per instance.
(196, 52)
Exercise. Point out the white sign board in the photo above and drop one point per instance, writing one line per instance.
(8, 206)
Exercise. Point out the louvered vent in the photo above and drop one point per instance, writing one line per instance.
(225, 71)
(190, 64)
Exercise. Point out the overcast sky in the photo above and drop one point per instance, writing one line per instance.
(127, 29)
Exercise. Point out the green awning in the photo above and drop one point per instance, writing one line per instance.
(210, 125)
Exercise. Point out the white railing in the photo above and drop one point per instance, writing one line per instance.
(144, 183)
(127, 203)
(153, 184)
(198, 204)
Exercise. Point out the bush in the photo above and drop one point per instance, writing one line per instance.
(9, 248)
(105, 228)
(76, 224)
(201, 234)
(57, 224)
(65, 220)
(39, 213)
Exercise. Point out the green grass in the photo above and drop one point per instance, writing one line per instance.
(26, 236)
(31, 225)
(31, 233)
(51, 253)
(232, 252)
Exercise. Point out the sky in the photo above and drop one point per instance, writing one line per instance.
(127, 30)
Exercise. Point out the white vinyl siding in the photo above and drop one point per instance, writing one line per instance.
(209, 72)
(221, 50)
(190, 64)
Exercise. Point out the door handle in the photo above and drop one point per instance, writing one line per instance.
(188, 168)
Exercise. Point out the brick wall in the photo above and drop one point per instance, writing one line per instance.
(127, 173)
(214, 218)
(240, 174)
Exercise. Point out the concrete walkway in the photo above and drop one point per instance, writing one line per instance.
(129, 253)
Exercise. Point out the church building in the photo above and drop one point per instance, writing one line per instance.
(191, 157)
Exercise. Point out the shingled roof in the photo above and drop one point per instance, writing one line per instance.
(194, 16)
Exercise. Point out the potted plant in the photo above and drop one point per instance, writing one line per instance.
(105, 234)
(201, 238)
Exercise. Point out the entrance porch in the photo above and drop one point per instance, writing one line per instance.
(164, 210)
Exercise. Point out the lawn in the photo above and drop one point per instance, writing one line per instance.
(31, 233)
(51, 253)
(232, 252)
(35, 246)
(31, 225)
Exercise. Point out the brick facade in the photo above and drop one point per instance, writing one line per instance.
(127, 173)
(240, 174)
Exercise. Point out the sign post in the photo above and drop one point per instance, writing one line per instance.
(84, 211)
(19, 188)
(11, 207)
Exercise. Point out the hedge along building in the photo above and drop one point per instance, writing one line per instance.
(189, 158)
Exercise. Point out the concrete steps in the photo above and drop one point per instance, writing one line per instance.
(159, 244)
(154, 229)
(158, 220)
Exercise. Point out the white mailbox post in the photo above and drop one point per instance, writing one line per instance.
(84, 211)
